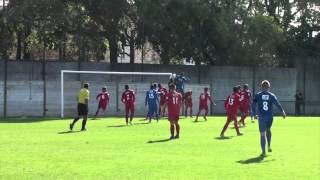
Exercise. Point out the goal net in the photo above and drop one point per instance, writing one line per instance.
(138, 81)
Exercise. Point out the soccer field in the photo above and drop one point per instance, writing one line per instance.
(44, 149)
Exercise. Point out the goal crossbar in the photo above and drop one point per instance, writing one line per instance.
(100, 72)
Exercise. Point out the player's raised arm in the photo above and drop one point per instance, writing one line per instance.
(277, 103)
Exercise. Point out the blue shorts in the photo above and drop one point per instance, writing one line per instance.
(153, 110)
(265, 123)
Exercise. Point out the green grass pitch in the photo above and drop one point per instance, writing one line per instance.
(34, 149)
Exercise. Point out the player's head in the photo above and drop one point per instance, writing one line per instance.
(172, 87)
(190, 91)
(239, 87)
(235, 89)
(126, 87)
(104, 89)
(245, 86)
(182, 74)
(152, 86)
(159, 85)
(155, 86)
(265, 85)
(206, 89)
(86, 85)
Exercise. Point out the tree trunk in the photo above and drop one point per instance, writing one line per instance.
(61, 51)
(132, 55)
(26, 52)
(19, 41)
(113, 44)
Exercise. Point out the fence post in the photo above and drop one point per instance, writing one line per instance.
(254, 80)
(304, 86)
(117, 96)
(5, 87)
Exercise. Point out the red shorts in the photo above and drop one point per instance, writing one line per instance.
(173, 117)
(232, 116)
(103, 105)
(162, 102)
(203, 107)
(129, 107)
(244, 109)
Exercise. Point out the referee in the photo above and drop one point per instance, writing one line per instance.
(83, 100)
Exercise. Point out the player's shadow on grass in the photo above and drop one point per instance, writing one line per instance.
(199, 121)
(257, 159)
(117, 126)
(141, 123)
(223, 138)
(159, 141)
(68, 132)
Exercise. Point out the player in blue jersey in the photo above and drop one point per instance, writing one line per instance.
(152, 102)
(265, 101)
(179, 82)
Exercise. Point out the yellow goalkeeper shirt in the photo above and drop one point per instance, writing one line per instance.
(83, 95)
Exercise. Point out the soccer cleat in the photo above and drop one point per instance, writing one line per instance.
(239, 134)
(222, 135)
(177, 137)
(269, 150)
(71, 126)
(171, 137)
(205, 119)
(84, 129)
(263, 155)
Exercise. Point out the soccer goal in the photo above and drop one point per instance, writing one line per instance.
(63, 72)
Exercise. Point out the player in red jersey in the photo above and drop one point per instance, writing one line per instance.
(103, 99)
(128, 99)
(174, 101)
(203, 103)
(188, 103)
(162, 105)
(231, 104)
(245, 99)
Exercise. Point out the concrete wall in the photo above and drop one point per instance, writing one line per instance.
(309, 83)
(25, 86)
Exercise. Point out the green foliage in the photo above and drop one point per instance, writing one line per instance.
(216, 32)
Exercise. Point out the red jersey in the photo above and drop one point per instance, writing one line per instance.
(188, 97)
(203, 99)
(162, 92)
(128, 97)
(103, 97)
(173, 100)
(245, 98)
(232, 103)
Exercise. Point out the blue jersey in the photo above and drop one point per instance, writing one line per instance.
(152, 97)
(265, 101)
(179, 81)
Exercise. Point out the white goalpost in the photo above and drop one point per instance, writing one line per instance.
(100, 72)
